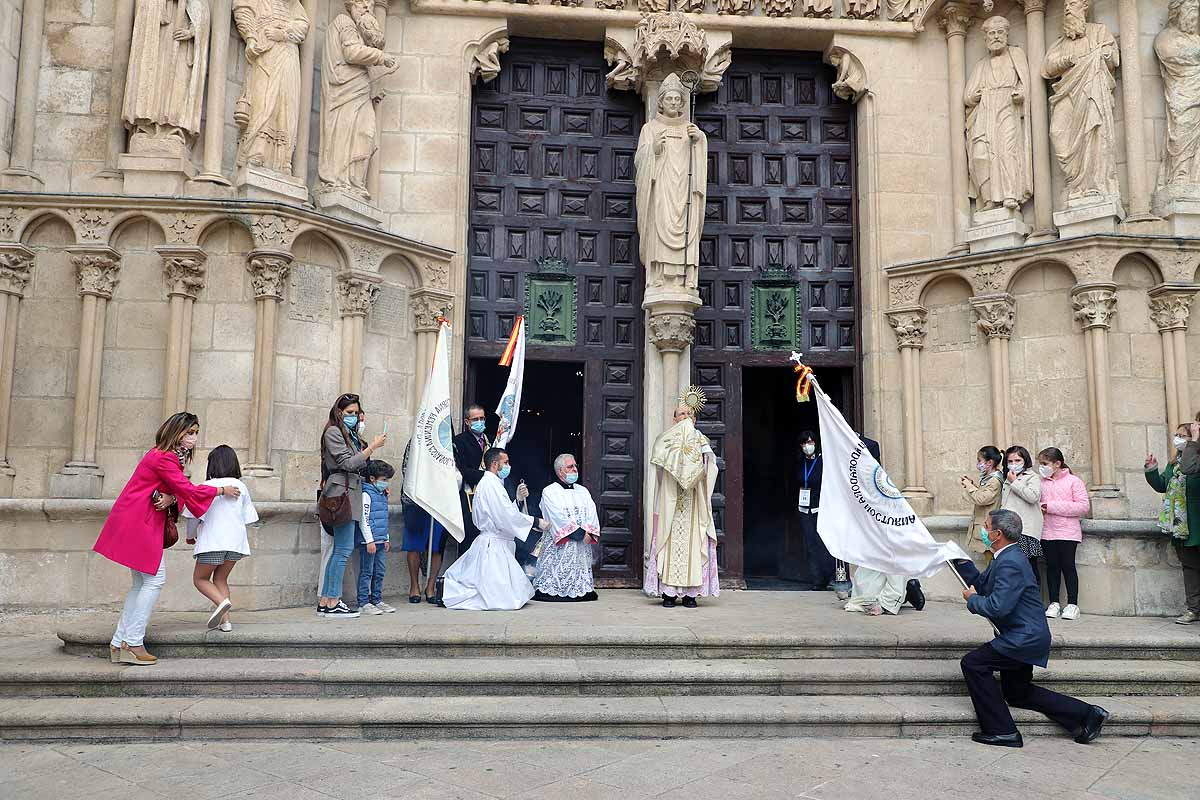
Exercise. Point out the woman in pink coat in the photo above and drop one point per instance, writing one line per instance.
(133, 533)
(1064, 503)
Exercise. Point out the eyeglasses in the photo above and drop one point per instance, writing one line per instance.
(348, 398)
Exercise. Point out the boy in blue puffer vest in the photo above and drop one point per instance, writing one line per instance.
(374, 545)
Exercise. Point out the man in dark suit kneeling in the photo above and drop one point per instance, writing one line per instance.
(1007, 594)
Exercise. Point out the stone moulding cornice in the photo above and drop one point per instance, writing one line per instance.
(586, 20)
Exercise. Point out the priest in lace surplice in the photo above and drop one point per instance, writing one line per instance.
(681, 560)
(564, 569)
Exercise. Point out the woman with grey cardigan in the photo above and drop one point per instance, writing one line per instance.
(342, 459)
(1022, 494)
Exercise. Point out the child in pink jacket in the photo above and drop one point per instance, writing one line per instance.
(1064, 503)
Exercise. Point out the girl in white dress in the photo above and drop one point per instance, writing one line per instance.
(220, 535)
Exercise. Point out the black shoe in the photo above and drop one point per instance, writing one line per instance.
(999, 739)
(668, 601)
(1096, 718)
(414, 599)
(689, 602)
(913, 594)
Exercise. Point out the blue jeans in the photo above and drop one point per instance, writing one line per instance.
(343, 546)
(372, 567)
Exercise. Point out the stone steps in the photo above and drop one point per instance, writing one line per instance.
(134, 718)
(498, 677)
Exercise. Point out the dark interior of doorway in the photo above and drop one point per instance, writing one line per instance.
(773, 547)
(550, 422)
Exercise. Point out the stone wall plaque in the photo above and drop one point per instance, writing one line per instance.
(389, 314)
(310, 293)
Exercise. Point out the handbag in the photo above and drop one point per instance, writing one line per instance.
(170, 532)
(333, 511)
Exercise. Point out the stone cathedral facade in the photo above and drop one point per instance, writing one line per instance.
(979, 220)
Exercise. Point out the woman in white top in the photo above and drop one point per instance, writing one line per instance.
(1022, 494)
(220, 535)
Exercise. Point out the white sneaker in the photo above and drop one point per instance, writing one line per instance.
(372, 610)
(1071, 611)
(1053, 610)
(385, 608)
(226, 627)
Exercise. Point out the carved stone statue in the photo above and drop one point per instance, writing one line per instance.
(817, 8)
(861, 9)
(164, 87)
(999, 143)
(904, 10)
(353, 42)
(738, 8)
(269, 110)
(778, 8)
(672, 154)
(1178, 51)
(485, 66)
(1082, 128)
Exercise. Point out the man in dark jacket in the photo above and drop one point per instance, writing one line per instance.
(469, 447)
(808, 504)
(1008, 595)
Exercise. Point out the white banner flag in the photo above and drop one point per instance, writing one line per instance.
(510, 401)
(432, 480)
(864, 519)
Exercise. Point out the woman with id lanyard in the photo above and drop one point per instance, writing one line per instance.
(808, 501)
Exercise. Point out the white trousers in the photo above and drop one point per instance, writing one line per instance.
(139, 604)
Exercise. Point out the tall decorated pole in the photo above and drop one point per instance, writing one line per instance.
(510, 402)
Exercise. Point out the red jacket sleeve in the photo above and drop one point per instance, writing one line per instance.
(195, 498)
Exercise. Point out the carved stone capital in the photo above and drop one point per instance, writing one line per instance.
(427, 305)
(356, 292)
(1033, 6)
(996, 315)
(909, 325)
(96, 269)
(183, 269)
(955, 18)
(671, 331)
(1094, 304)
(1170, 307)
(268, 272)
(16, 268)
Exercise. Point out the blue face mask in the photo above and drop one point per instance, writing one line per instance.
(504, 471)
(381, 485)
(572, 477)
(478, 426)
(351, 421)
(987, 540)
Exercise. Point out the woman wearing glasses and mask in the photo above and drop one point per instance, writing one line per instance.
(343, 456)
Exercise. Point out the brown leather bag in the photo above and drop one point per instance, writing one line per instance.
(170, 532)
(333, 511)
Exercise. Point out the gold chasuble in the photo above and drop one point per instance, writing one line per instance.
(687, 474)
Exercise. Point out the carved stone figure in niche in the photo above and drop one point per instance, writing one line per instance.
(862, 9)
(1082, 128)
(1178, 51)
(571, 3)
(654, 6)
(690, 6)
(999, 144)
(817, 8)
(670, 147)
(268, 112)
(485, 66)
(739, 8)
(164, 87)
(353, 42)
(611, 5)
(778, 8)
(904, 10)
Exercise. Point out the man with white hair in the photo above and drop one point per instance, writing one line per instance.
(564, 569)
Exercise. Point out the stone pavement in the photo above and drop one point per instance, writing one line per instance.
(607, 769)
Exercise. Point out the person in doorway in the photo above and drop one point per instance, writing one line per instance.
(1064, 502)
(343, 457)
(983, 496)
(1007, 594)
(374, 542)
(424, 536)
(219, 535)
(134, 531)
(564, 569)
(1180, 518)
(469, 447)
(487, 577)
(808, 503)
(1022, 494)
(681, 560)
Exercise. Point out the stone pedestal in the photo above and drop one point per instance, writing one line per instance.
(263, 482)
(340, 204)
(1182, 215)
(997, 229)
(1089, 215)
(19, 179)
(156, 174)
(255, 183)
(77, 479)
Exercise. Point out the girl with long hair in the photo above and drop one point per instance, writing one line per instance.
(1064, 502)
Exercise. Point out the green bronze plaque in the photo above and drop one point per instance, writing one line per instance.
(550, 303)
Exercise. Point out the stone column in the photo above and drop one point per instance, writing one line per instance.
(1039, 118)
(1095, 304)
(381, 11)
(183, 269)
(1170, 307)
(427, 306)
(356, 293)
(20, 175)
(308, 51)
(1135, 131)
(268, 275)
(214, 104)
(996, 314)
(955, 18)
(16, 267)
(910, 327)
(122, 40)
(97, 268)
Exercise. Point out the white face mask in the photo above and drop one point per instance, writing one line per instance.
(1180, 442)
(1016, 467)
(1045, 470)
(809, 449)
(982, 467)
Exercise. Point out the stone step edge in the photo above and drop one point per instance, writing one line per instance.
(543, 717)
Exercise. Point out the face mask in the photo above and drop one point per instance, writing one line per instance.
(381, 485)
(987, 540)
(809, 449)
(350, 421)
(571, 478)
(1180, 442)
(189, 441)
(504, 471)
(1016, 467)
(478, 426)
(1045, 470)
(983, 468)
